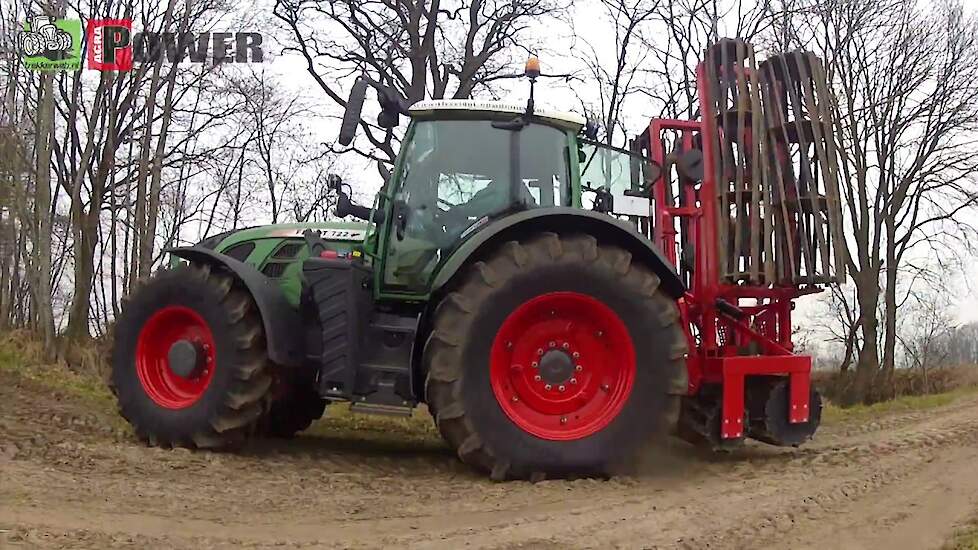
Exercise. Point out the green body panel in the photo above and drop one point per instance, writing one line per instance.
(270, 240)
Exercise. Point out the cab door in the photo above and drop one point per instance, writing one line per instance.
(456, 176)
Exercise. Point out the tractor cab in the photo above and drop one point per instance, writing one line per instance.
(464, 164)
(461, 167)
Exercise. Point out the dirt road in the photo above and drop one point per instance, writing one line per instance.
(69, 481)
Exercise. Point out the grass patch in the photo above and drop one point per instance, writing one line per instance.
(965, 538)
(19, 357)
(340, 422)
(833, 414)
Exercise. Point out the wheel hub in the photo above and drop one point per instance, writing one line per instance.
(184, 358)
(175, 357)
(562, 366)
(556, 367)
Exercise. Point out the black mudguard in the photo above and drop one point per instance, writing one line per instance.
(562, 219)
(283, 324)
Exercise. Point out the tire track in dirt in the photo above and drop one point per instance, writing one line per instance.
(751, 503)
(69, 479)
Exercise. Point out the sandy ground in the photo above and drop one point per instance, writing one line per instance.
(67, 480)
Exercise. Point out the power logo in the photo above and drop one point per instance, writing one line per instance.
(110, 44)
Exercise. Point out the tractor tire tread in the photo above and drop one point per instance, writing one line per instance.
(247, 397)
(443, 349)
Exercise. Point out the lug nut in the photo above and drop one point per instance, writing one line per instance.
(509, 345)
(540, 351)
(553, 344)
(548, 387)
(578, 368)
(575, 355)
(536, 378)
(573, 380)
(563, 420)
(599, 334)
(515, 398)
(605, 387)
(560, 388)
(565, 345)
(534, 364)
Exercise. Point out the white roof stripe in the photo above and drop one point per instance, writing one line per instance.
(570, 119)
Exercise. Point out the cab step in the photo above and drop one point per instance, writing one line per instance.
(364, 407)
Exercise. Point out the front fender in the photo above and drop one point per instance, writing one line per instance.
(563, 220)
(282, 323)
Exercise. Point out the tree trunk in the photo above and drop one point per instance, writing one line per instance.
(885, 378)
(147, 213)
(867, 362)
(41, 254)
(85, 225)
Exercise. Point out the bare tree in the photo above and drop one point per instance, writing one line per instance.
(926, 341)
(676, 46)
(428, 48)
(907, 107)
(615, 74)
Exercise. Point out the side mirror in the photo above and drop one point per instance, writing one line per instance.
(334, 183)
(351, 116)
(388, 119)
(345, 205)
(591, 129)
(392, 106)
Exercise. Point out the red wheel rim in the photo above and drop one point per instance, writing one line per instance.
(163, 329)
(529, 370)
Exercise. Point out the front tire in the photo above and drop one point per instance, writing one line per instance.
(555, 356)
(189, 367)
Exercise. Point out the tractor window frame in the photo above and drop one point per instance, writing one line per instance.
(566, 193)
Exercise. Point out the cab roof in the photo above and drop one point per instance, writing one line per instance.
(571, 121)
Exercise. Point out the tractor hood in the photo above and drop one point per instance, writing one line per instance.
(345, 232)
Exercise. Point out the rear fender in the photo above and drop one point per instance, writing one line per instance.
(282, 323)
(562, 220)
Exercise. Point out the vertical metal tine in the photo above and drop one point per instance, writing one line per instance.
(816, 117)
(740, 112)
(714, 82)
(726, 153)
(762, 199)
(790, 102)
(831, 167)
(805, 165)
(756, 170)
(774, 113)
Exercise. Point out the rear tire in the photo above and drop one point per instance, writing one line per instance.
(623, 343)
(214, 399)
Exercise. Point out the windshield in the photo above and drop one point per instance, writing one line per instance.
(458, 173)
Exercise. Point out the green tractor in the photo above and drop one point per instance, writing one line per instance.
(504, 276)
